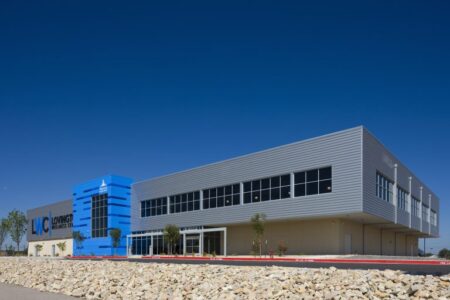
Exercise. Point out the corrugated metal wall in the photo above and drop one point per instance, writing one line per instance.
(341, 150)
(378, 158)
(57, 209)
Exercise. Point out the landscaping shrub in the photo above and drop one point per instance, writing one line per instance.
(444, 253)
(282, 248)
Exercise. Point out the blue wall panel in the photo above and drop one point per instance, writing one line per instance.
(118, 190)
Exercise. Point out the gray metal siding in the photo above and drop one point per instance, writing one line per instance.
(415, 222)
(402, 217)
(56, 209)
(377, 158)
(341, 150)
(434, 231)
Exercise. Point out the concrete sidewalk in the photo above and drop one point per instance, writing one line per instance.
(16, 292)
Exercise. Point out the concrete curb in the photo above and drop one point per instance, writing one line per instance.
(280, 259)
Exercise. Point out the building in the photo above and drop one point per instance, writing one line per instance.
(339, 193)
(336, 194)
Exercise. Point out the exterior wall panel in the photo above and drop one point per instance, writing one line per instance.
(377, 158)
(40, 222)
(402, 217)
(415, 223)
(341, 150)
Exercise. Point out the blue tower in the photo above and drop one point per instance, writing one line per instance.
(100, 205)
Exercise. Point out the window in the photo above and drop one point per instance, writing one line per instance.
(424, 212)
(272, 188)
(402, 198)
(185, 202)
(415, 207)
(433, 218)
(99, 216)
(154, 207)
(313, 182)
(222, 196)
(384, 188)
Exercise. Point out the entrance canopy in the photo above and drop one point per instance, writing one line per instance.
(193, 241)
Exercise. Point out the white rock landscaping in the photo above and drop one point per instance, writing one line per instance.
(129, 280)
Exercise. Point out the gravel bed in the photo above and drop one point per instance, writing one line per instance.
(129, 280)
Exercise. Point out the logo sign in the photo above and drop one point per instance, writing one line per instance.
(46, 224)
(103, 188)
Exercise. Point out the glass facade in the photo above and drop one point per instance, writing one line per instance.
(312, 182)
(154, 207)
(185, 202)
(415, 206)
(142, 245)
(402, 199)
(433, 218)
(222, 196)
(272, 188)
(99, 216)
(425, 212)
(212, 243)
(384, 188)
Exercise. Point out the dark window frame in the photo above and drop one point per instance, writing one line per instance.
(315, 181)
(222, 196)
(99, 216)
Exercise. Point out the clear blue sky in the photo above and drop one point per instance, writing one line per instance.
(140, 90)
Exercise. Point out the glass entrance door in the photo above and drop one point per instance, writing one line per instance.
(193, 244)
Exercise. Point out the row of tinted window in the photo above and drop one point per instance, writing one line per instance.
(433, 218)
(425, 212)
(402, 198)
(272, 188)
(415, 207)
(154, 207)
(222, 196)
(312, 182)
(99, 216)
(185, 202)
(384, 188)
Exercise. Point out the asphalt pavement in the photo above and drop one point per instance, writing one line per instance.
(410, 269)
(15, 292)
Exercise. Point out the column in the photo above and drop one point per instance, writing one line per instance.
(410, 200)
(292, 185)
(429, 214)
(184, 244)
(394, 193)
(201, 242)
(420, 207)
(225, 242)
(168, 205)
(201, 199)
(241, 189)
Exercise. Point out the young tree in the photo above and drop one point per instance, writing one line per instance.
(61, 246)
(444, 253)
(4, 230)
(78, 237)
(258, 225)
(171, 235)
(115, 235)
(17, 226)
(38, 248)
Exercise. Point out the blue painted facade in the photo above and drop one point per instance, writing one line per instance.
(118, 190)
